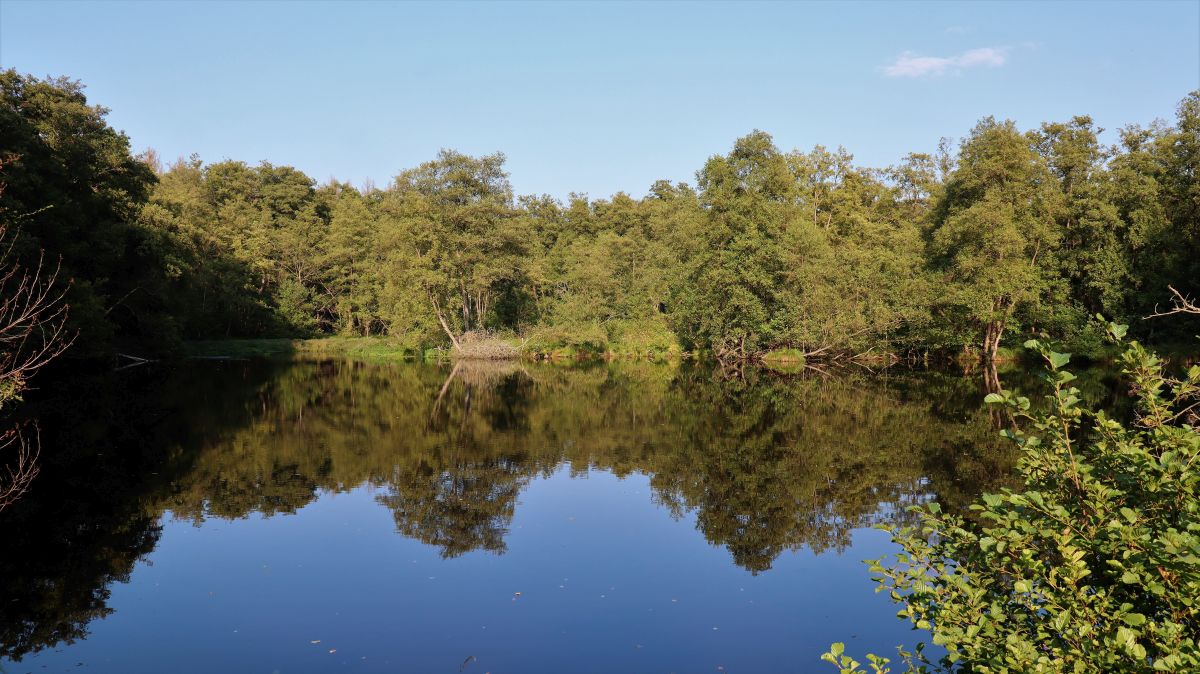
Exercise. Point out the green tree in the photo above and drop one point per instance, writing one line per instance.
(729, 298)
(859, 280)
(1154, 184)
(1095, 275)
(994, 237)
(348, 281)
(78, 190)
(453, 235)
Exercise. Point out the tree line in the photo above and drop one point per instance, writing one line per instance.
(1005, 233)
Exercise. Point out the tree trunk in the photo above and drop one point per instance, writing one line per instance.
(991, 340)
(437, 310)
(1001, 417)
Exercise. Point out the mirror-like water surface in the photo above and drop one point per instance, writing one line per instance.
(341, 516)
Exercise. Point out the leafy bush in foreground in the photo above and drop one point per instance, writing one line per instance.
(1093, 567)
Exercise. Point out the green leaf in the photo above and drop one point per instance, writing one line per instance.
(1134, 619)
(1058, 360)
(993, 398)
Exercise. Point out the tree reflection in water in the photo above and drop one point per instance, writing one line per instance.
(766, 462)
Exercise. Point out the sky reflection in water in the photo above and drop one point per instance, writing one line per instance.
(312, 517)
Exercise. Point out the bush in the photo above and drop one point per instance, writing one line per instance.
(643, 337)
(586, 337)
(1093, 567)
(784, 356)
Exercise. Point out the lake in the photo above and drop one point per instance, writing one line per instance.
(269, 516)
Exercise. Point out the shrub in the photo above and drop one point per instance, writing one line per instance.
(579, 337)
(784, 356)
(648, 336)
(1093, 567)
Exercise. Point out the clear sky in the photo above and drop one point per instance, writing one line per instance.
(596, 98)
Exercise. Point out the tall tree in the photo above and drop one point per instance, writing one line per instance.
(994, 236)
(80, 189)
(454, 234)
(729, 299)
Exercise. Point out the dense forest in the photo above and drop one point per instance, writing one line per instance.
(1004, 233)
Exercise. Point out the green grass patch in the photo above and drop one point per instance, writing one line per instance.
(645, 339)
(366, 348)
(783, 356)
(785, 361)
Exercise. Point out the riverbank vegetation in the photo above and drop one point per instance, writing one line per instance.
(968, 249)
(1093, 566)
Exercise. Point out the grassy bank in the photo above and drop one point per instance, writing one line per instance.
(368, 348)
(498, 348)
(384, 348)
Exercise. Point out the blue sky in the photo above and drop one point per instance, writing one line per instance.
(596, 98)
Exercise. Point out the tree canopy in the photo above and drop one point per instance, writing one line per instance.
(1005, 233)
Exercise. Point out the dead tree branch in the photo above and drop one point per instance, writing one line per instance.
(20, 470)
(1180, 304)
(33, 317)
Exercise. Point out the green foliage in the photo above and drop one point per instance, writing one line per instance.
(11, 389)
(783, 356)
(1016, 233)
(567, 340)
(731, 297)
(848, 665)
(365, 348)
(993, 239)
(645, 337)
(1095, 564)
(453, 237)
(73, 191)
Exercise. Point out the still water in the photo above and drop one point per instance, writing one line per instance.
(256, 516)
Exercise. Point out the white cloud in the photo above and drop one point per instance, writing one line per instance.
(911, 65)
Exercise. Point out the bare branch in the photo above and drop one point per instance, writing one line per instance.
(33, 317)
(21, 469)
(33, 311)
(1181, 304)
